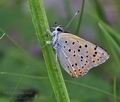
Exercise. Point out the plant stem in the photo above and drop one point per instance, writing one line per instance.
(41, 26)
(114, 88)
(80, 18)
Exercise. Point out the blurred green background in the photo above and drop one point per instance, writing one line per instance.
(22, 65)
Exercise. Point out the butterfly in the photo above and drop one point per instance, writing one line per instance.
(76, 55)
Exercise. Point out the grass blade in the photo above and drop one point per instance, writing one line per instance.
(99, 10)
(111, 44)
(80, 17)
(112, 31)
(114, 88)
(67, 81)
(92, 88)
(41, 26)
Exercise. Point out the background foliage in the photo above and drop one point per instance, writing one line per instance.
(21, 62)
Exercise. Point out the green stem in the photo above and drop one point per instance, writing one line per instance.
(114, 88)
(80, 18)
(41, 26)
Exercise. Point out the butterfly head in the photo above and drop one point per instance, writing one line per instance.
(57, 30)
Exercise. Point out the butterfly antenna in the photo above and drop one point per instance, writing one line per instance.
(52, 28)
(67, 25)
(56, 24)
(2, 34)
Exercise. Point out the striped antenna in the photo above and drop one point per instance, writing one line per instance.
(68, 24)
(2, 33)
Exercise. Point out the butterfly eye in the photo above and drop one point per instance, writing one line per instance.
(60, 30)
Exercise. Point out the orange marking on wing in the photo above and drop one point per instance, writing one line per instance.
(78, 72)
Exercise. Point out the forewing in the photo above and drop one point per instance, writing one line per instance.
(77, 55)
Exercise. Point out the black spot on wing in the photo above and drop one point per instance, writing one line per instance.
(73, 43)
(80, 46)
(94, 55)
(95, 52)
(74, 55)
(66, 42)
(69, 50)
(86, 46)
(78, 50)
(95, 47)
(75, 64)
(81, 57)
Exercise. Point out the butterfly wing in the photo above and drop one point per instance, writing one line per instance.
(77, 55)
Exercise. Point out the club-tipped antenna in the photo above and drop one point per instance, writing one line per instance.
(67, 25)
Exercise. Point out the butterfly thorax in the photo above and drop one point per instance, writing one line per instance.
(55, 34)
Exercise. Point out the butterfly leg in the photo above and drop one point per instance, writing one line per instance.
(56, 57)
(2, 36)
(48, 32)
(48, 42)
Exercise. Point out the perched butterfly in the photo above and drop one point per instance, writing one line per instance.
(76, 55)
